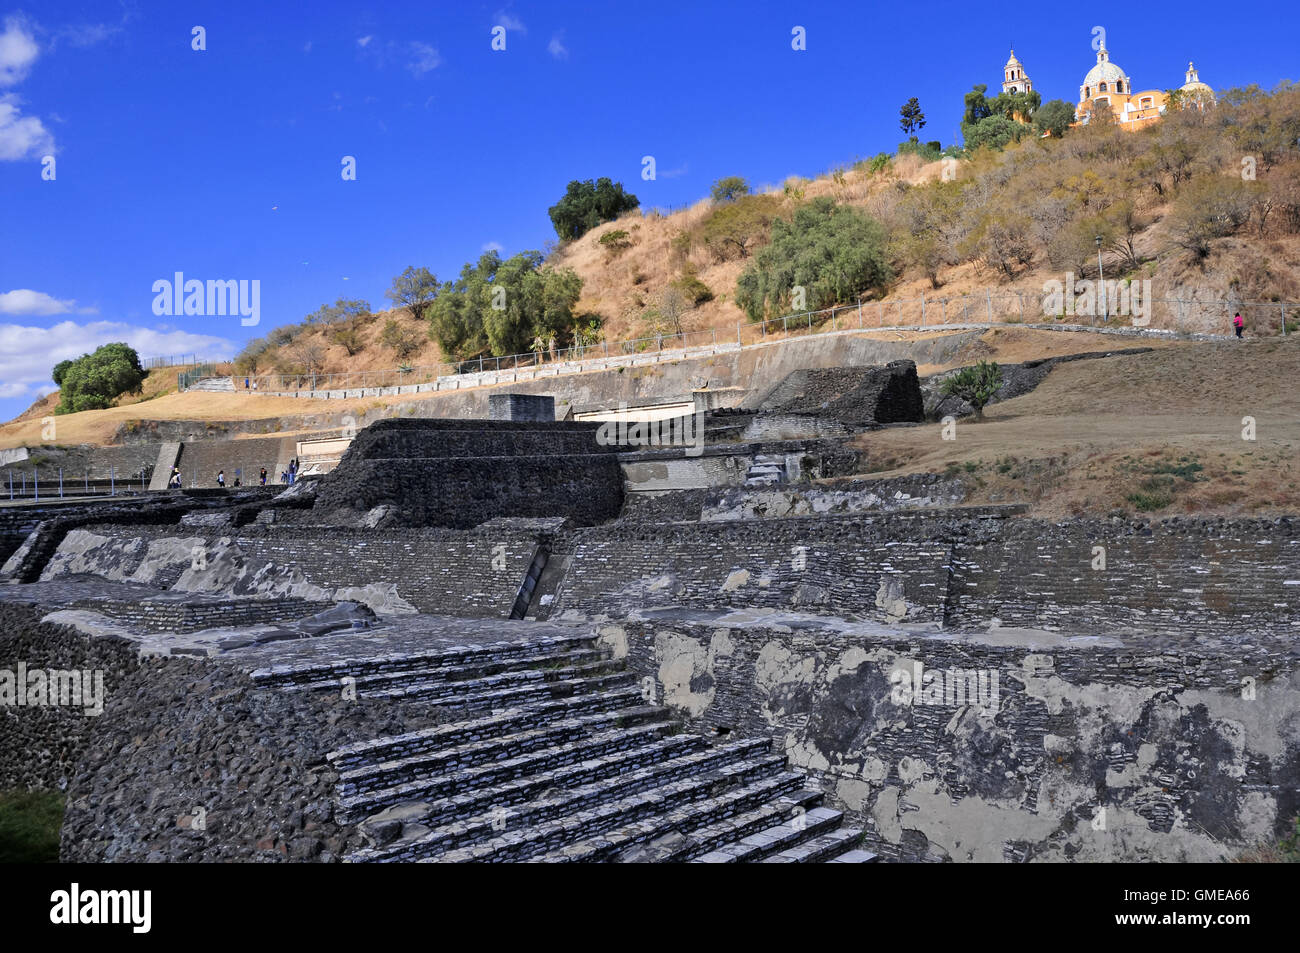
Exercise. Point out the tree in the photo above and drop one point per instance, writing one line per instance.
(912, 119)
(729, 189)
(975, 384)
(1018, 106)
(993, 132)
(834, 252)
(307, 357)
(1210, 206)
(586, 204)
(415, 288)
(93, 381)
(402, 338)
(503, 306)
(732, 230)
(1054, 118)
(977, 106)
(343, 309)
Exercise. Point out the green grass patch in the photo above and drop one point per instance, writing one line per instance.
(29, 827)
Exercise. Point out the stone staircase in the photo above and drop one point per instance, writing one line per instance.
(225, 385)
(554, 756)
(766, 470)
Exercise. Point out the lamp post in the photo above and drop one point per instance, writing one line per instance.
(1101, 283)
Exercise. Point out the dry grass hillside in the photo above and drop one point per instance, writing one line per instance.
(1172, 201)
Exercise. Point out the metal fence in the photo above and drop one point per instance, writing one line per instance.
(55, 483)
(173, 360)
(1180, 316)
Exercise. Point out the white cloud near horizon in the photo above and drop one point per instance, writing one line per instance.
(557, 48)
(28, 354)
(25, 301)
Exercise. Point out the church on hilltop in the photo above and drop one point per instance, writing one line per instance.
(1107, 84)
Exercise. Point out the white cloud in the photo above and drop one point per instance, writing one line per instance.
(557, 48)
(24, 301)
(306, 47)
(493, 246)
(509, 21)
(21, 137)
(364, 41)
(28, 354)
(426, 59)
(18, 51)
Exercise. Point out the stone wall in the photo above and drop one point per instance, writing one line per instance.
(854, 396)
(219, 769)
(1013, 749)
(42, 744)
(462, 473)
(453, 573)
(1081, 576)
(824, 565)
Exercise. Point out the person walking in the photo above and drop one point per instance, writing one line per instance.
(263, 475)
(221, 479)
(1238, 324)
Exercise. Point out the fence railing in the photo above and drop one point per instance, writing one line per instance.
(176, 360)
(1183, 316)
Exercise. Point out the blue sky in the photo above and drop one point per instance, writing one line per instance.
(225, 163)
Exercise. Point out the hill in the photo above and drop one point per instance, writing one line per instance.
(1205, 205)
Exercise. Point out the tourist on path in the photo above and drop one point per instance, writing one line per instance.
(263, 476)
(221, 479)
(1238, 324)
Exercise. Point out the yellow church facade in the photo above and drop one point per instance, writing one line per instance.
(1107, 84)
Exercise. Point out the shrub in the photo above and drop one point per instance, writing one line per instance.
(93, 381)
(729, 189)
(975, 384)
(586, 204)
(834, 252)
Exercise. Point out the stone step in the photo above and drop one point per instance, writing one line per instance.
(404, 685)
(756, 845)
(855, 856)
(418, 786)
(626, 839)
(454, 673)
(718, 833)
(583, 786)
(298, 672)
(538, 837)
(473, 815)
(818, 849)
(506, 721)
(499, 697)
(371, 775)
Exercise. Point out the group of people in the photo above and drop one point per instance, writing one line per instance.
(288, 475)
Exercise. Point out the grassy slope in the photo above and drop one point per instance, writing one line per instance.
(1158, 432)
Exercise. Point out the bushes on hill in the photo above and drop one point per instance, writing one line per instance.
(414, 288)
(502, 306)
(833, 252)
(586, 204)
(734, 230)
(729, 189)
(402, 338)
(93, 381)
